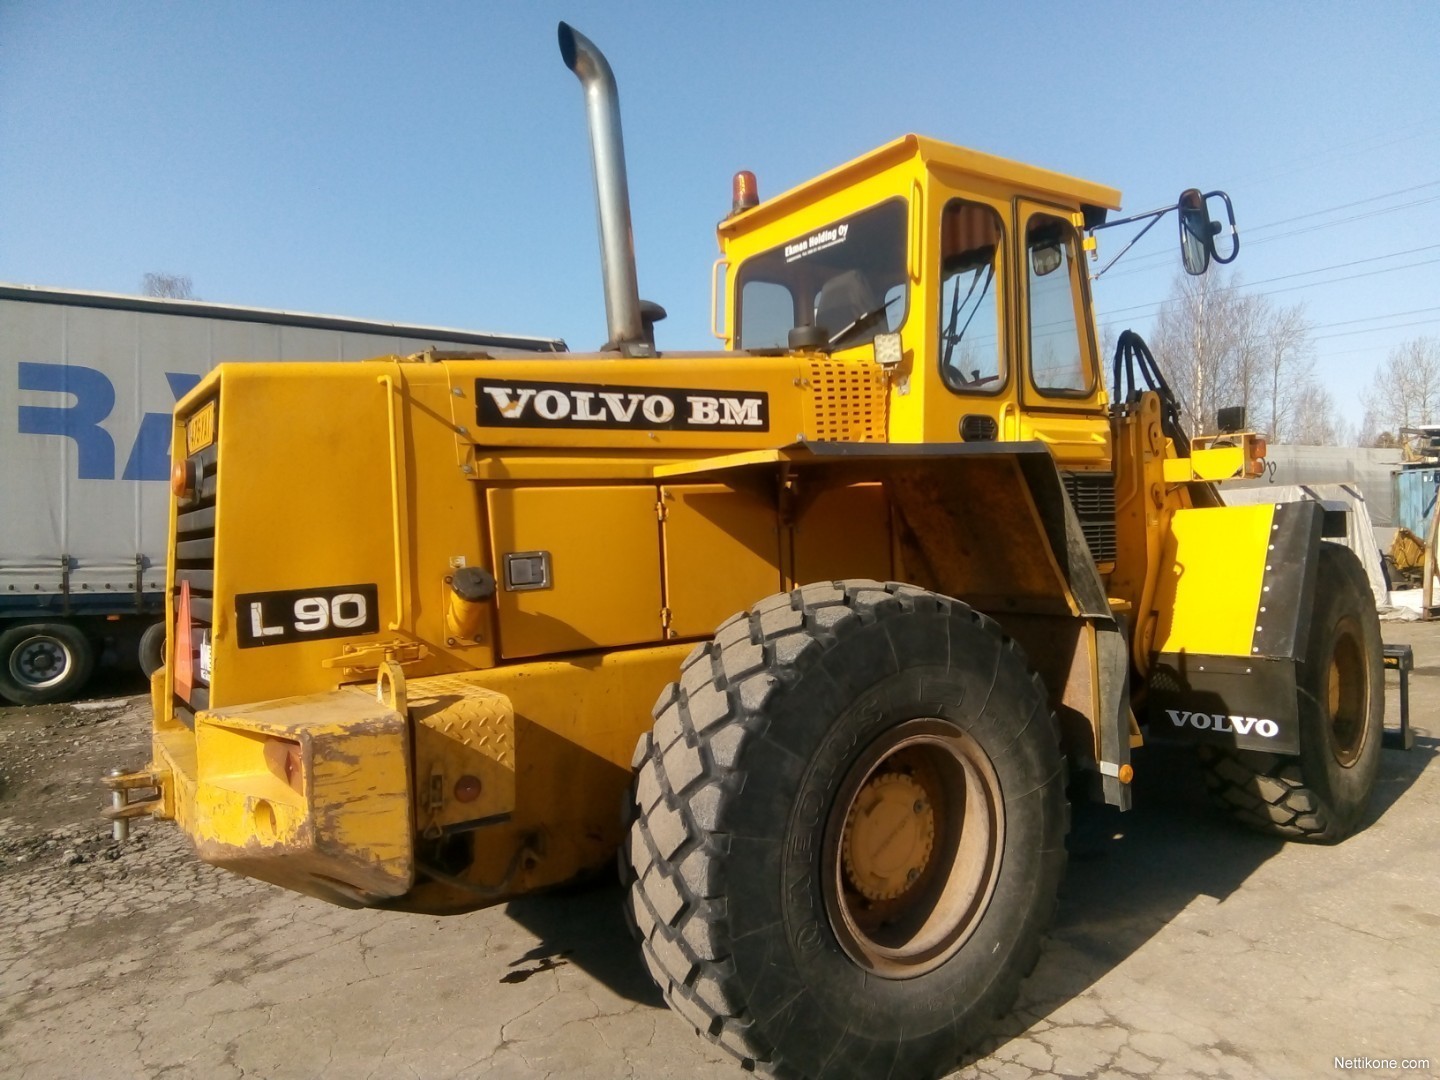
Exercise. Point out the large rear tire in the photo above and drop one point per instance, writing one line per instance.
(1322, 794)
(848, 831)
(42, 663)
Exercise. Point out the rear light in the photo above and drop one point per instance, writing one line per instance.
(1256, 448)
(467, 788)
(182, 479)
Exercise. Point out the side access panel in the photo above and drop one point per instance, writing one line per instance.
(578, 568)
(1232, 606)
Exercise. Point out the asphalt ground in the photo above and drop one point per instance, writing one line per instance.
(1184, 945)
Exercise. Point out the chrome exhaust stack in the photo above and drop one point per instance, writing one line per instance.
(625, 320)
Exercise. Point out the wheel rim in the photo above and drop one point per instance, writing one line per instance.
(1347, 696)
(912, 848)
(40, 662)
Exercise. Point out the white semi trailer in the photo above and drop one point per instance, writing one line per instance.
(87, 385)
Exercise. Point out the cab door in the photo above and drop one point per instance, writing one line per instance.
(1063, 401)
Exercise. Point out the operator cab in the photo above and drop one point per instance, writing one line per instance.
(974, 261)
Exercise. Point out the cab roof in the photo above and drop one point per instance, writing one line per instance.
(1025, 179)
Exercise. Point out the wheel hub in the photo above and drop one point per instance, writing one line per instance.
(38, 662)
(1346, 694)
(889, 834)
(913, 848)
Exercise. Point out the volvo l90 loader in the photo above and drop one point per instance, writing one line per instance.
(817, 631)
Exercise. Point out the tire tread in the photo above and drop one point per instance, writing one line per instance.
(679, 909)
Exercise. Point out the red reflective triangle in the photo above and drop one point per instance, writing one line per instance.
(184, 651)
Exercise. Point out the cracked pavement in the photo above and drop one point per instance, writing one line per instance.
(1184, 946)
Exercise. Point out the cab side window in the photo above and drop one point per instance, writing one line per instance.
(971, 357)
(1057, 359)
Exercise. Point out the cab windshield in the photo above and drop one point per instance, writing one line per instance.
(847, 278)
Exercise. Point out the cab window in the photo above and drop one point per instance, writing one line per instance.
(848, 278)
(972, 360)
(1057, 359)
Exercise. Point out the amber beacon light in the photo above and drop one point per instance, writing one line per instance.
(743, 191)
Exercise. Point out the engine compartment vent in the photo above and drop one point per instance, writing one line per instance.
(847, 402)
(1093, 496)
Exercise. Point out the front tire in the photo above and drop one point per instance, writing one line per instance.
(849, 831)
(42, 663)
(1321, 795)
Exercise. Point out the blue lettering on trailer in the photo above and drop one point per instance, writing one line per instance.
(150, 458)
(94, 396)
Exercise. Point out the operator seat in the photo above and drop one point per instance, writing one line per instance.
(843, 299)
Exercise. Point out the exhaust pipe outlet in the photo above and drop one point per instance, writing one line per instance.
(612, 193)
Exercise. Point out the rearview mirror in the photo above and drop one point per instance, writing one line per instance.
(1196, 243)
(1198, 230)
(1045, 258)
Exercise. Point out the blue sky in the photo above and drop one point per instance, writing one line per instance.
(426, 162)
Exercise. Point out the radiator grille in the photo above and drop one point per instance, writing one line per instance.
(1093, 497)
(195, 564)
(847, 402)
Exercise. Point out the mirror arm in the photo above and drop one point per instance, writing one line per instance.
(1157, 214)
(1234, 232)
(1153, 215)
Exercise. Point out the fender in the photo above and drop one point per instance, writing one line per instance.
(1237, 585)
(988, 523)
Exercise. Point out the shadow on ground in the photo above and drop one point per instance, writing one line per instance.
(1129, 875)
(584, 926)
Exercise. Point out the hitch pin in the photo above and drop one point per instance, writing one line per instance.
(120, 827)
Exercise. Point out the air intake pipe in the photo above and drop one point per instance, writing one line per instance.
(623, 314)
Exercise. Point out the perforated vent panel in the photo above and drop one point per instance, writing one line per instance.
(847, 403)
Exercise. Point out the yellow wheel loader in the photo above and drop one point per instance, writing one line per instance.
(835, 614)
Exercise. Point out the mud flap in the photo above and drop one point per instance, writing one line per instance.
(1224, 701)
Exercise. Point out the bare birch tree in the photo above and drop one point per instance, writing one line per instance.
(1222, 346)
(1192, 348)
(1290, 377)
(1406, 392)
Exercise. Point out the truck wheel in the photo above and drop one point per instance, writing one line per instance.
(1322, 794)
(152, 649)
(849, 831)
(41, 663)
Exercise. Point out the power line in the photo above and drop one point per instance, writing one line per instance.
(1157, 304)
(1374, 329)
(1374, 318)
(1368, 143)
(1345, 206)
(1346, 221)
